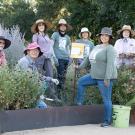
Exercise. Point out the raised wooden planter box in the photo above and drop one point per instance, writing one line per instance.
(51, 117)
(54, 116)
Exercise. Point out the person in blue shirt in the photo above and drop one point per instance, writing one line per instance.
(27, 63)
(85, 35)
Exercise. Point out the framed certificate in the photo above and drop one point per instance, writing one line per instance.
(77, 50)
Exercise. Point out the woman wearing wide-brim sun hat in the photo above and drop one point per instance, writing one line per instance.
(44, 63)
(4, 44)
(64, 22)
(27, 63)
(125, 47)
(128, 28)
(34, 28)
(62, 48)
(85, 35)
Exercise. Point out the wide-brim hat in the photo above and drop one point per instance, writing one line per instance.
(34, 26)
(7, 42)
(84, 29)
(126, 27)
(107, 31)
(64, 22)
(31, 46)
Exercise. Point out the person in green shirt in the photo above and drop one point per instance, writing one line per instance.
(62, 48)
(102, 73)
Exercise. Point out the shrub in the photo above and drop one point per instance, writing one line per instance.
(124, 88)
(92, 95)
(18, 89)
(15, 51)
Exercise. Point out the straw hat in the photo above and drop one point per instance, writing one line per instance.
(31, 46)
(63, 21)
(34, 26)
(126, 27)
(7, 42)
(84, 29)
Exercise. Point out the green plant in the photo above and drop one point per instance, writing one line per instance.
(92, 95)
(18, 89)
(124, 88)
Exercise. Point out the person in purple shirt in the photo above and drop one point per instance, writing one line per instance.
(40, 36)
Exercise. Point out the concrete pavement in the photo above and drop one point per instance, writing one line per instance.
(90, 129)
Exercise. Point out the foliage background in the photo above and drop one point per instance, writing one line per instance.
(93, 14)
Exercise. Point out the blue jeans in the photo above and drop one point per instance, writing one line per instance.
(106, 93)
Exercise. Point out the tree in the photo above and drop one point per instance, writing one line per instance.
(20, 13)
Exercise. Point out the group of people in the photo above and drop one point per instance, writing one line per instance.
(44, 53)
(104, 60)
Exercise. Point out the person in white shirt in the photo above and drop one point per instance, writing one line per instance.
(125, 47)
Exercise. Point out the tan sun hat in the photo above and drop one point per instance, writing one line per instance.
(63, 21)
(84, 29)
(34, 26)
(126, 27)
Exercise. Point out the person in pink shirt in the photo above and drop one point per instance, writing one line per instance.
(4, 44)
(125, 47)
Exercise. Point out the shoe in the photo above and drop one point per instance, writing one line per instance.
(105, 124)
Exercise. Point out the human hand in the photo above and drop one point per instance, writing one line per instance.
(131, 55)
(55, 81)
(106, 83)
(42, 97)
(122, 55)
(56, 62)
(76, 66)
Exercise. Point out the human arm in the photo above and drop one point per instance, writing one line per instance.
(110, 64)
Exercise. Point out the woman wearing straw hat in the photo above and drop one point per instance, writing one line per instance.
(62, 47)
(125, 47)
(44, 63)
(40, 36)
(102, 73)
(4, 44)
(85, 35)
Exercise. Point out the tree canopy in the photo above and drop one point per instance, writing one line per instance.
(93, 14)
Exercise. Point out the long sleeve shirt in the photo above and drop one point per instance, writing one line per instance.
(102, 59)
(125, 46)
(45, 43)
(28, 64)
